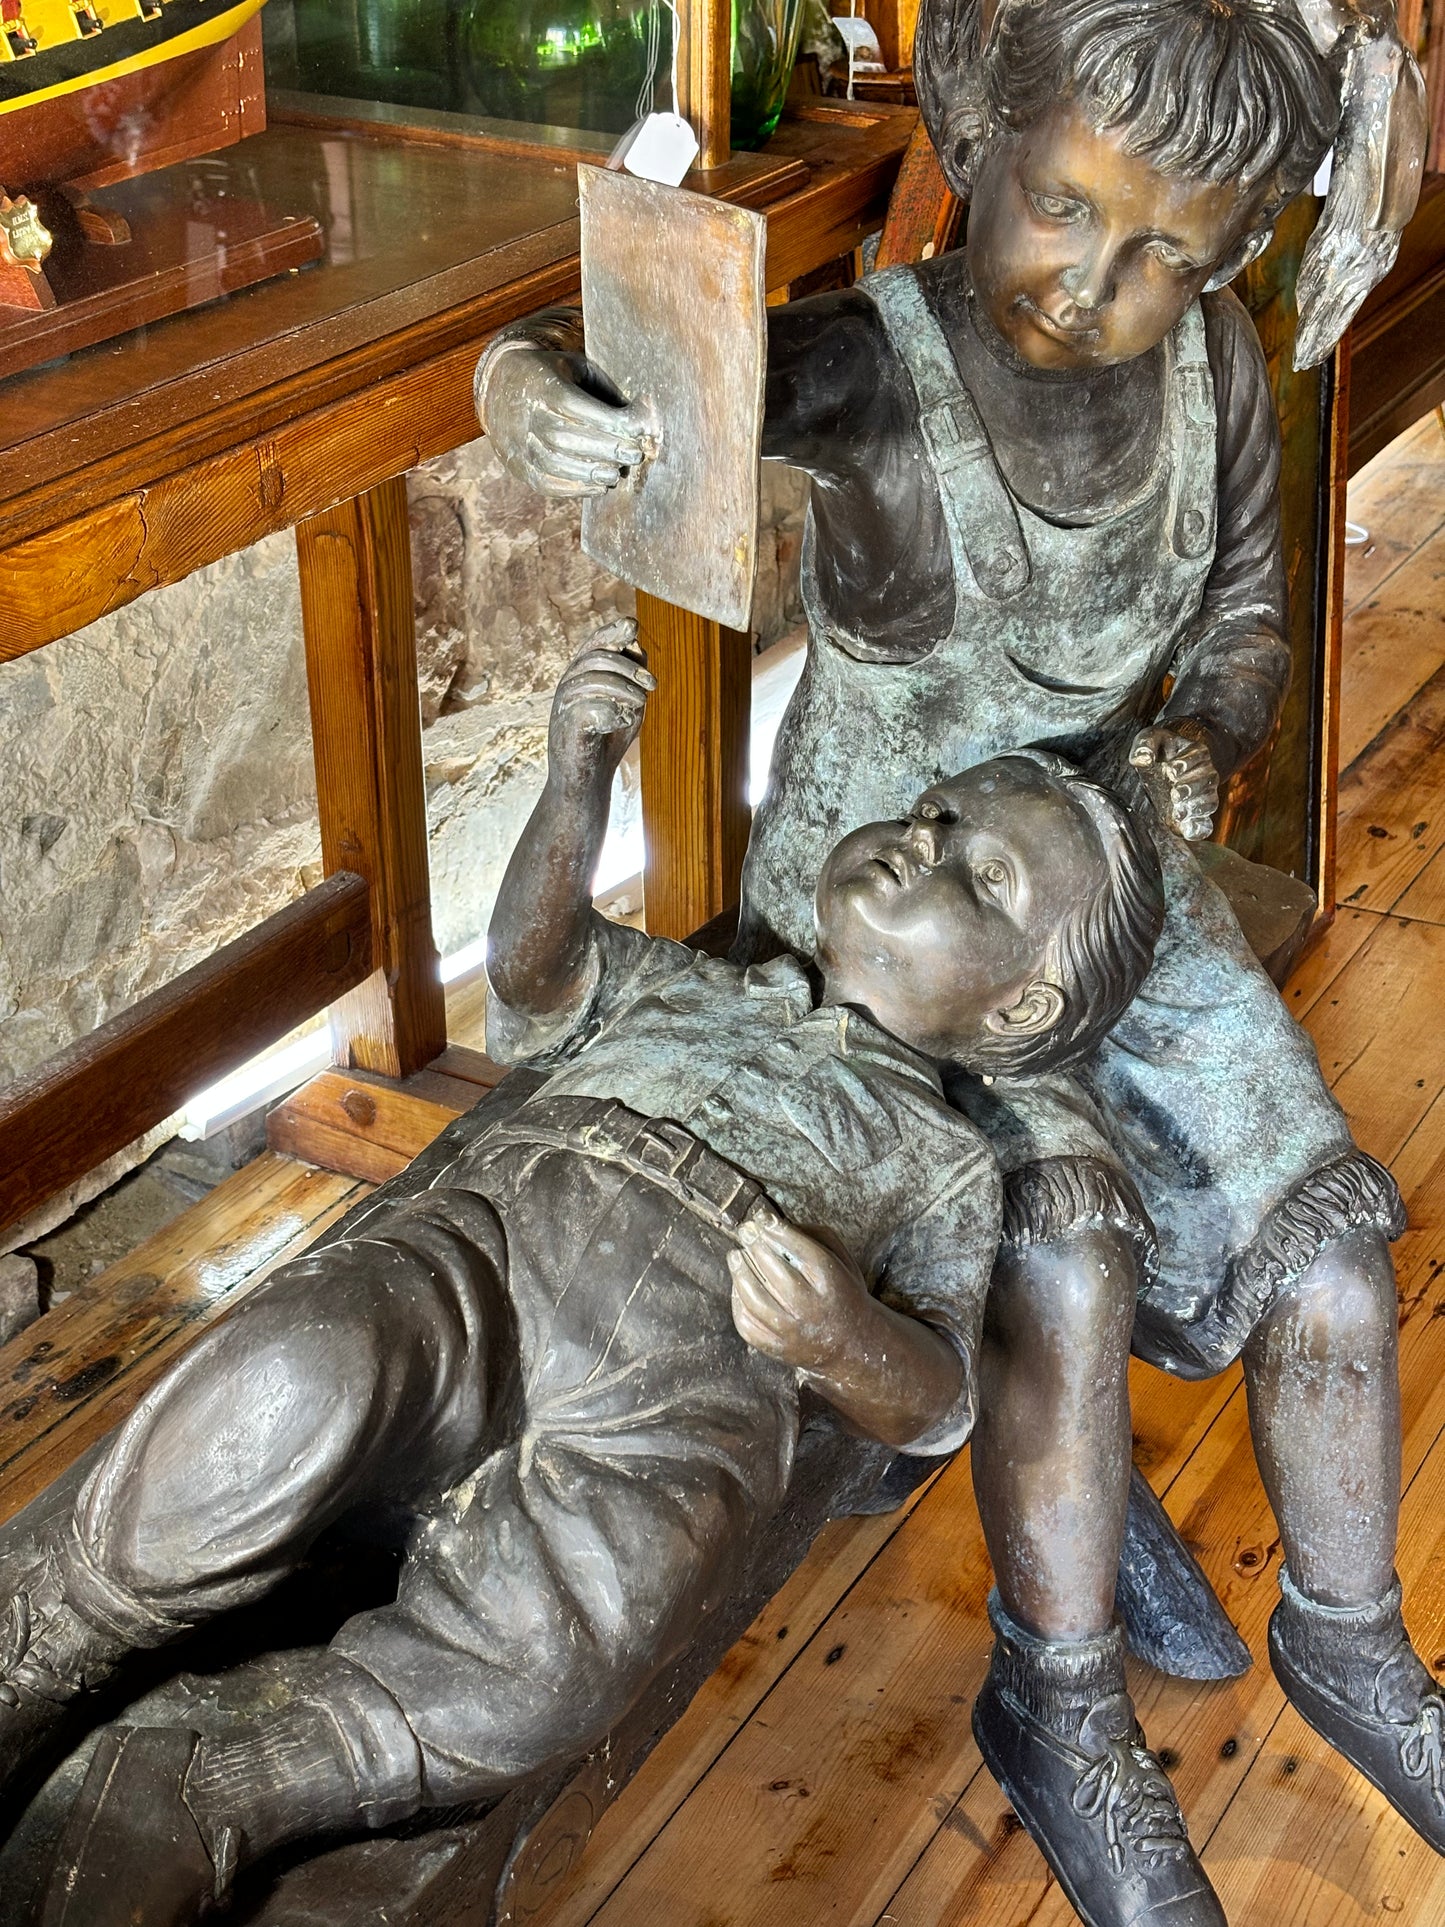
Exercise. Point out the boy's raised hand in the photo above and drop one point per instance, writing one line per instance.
(1180, 776)
(549, 431)
(597, 708)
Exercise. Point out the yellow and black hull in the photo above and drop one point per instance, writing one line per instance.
(49, 48)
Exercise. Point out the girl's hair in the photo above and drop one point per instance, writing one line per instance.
(1224, 90)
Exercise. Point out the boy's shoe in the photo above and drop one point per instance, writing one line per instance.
(1353, 1674)
(1056, 1728)
(132, 1849)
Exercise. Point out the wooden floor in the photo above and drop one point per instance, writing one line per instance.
(827, 1772)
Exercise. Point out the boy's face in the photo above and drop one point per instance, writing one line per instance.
(1083, 255)
(940, 923)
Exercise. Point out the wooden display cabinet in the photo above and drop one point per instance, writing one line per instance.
(92, 101)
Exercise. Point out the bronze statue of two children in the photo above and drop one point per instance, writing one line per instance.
(992, 1093)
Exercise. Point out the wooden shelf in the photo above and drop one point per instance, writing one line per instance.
(244, 417)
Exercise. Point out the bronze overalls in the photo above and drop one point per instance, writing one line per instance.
(1208, 1092)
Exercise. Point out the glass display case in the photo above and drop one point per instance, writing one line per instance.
(590, 65)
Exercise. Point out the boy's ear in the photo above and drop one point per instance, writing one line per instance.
(1239, 257)
(1037, 1012)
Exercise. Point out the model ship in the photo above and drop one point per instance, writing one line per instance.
(94, 93)
(53, 47)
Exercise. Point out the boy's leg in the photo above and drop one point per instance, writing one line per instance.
(541, 1592)
(528, 1622)
(359, 1372)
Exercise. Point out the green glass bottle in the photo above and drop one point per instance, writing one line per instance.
(765, 47)
(403, 51)
(590, 64)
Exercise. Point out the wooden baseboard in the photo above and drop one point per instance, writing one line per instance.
(369, 1127)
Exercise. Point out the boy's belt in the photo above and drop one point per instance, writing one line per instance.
(653, 1148)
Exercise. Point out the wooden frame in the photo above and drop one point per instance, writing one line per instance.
(112, 1086)
(705, 75)
(91, 522)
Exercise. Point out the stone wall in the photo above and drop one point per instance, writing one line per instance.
(160, 796)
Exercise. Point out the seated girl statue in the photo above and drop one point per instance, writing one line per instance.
(1045, 510)
(573, 1360)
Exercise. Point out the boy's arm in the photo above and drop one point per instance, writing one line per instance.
(540, 949)
(900, 1365)
(891, 1375)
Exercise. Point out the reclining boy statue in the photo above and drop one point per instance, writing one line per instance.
(574, 1359)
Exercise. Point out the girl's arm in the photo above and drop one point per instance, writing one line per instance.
(563, 425)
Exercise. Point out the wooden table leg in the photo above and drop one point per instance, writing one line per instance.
(694, 751)
(356, 602)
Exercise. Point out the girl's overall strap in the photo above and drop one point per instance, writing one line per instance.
(1193, 498)
(977, 502)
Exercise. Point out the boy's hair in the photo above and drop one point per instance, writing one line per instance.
(1224, 90)
(1105, 949)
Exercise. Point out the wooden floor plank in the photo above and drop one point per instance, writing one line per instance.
(1379, 1034)
(1392, 805)
(1326, 958)
(1425, 898)
(1395, 641)
(1399, 498)
(74, 1374)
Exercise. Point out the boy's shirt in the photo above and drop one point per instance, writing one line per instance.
(846, 1129)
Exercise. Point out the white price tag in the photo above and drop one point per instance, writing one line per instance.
(663, 148)
(865, 56)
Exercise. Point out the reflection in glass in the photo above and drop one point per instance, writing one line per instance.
(587, 64)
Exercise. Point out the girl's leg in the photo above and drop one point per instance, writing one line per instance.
(1052, 1448)
(1322, 1375)
(1324, 1404)
(1051, 1465)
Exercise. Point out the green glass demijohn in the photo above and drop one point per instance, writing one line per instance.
(588, 64)
(598, 64)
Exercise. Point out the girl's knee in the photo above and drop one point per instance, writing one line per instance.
(1080, 1289)
(1344, 1308)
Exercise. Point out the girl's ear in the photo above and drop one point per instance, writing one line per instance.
(1239, 257)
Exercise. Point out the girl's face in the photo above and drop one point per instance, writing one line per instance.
(1084, 255)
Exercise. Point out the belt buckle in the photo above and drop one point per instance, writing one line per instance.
(662, 1146)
